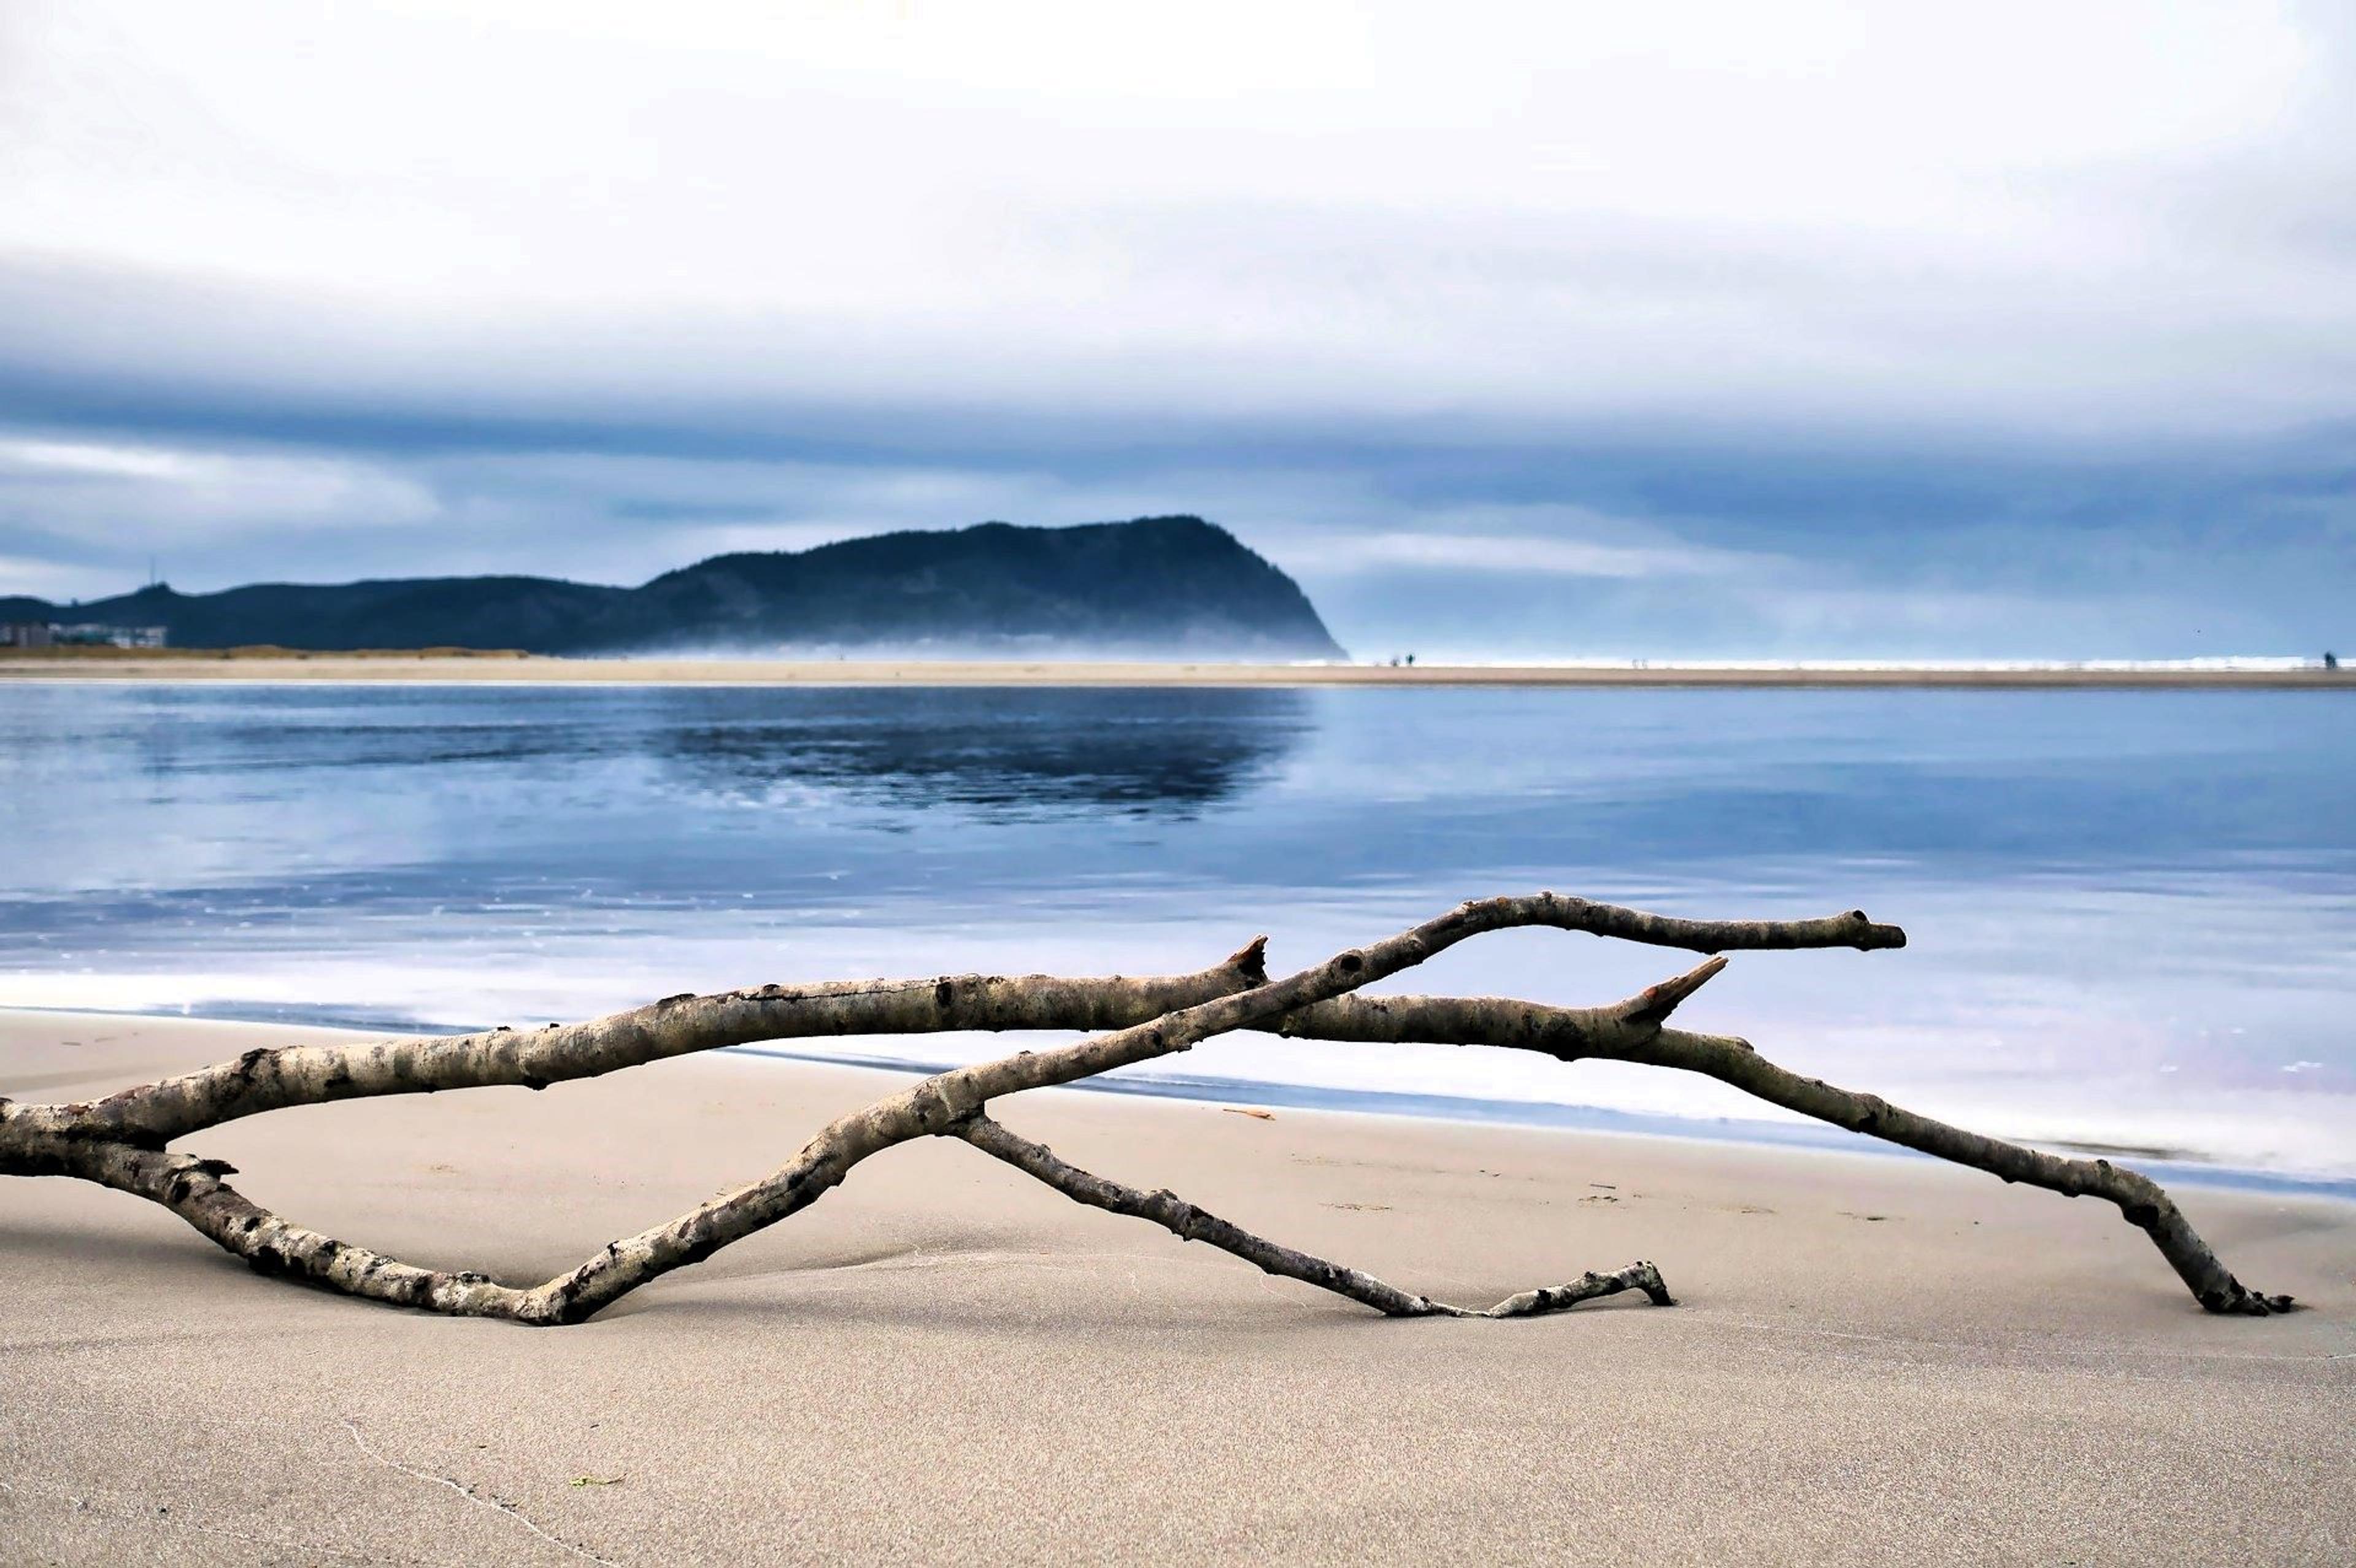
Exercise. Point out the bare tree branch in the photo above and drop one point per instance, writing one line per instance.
(154, 1113)
(938, 1104)
(1189, 1224)
(1632, 1032)
(119, 1141)
(193, 1190)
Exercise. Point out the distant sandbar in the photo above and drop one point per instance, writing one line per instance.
(444, 664)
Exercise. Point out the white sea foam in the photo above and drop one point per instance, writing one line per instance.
(2133, 921)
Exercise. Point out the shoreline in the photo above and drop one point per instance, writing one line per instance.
(521, 669)
(1801, 1135)
(2170, 1166)
(1863, 1352)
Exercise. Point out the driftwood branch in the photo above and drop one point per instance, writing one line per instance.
(1569, 1034)
(120, 1141)
(1189, 1224)
(155, 1114)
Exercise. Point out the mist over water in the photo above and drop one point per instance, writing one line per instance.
(2132, 913)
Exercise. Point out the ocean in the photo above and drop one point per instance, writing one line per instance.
(2132, 913)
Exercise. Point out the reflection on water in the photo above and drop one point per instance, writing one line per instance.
(2133, 913)
(1144, 752)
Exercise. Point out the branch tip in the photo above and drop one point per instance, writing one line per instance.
(1656, 1003)
(1251, 960)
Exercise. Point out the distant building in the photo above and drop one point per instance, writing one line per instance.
(26, 634)
(95, 635)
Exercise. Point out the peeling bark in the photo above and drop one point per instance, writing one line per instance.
(120, 1141)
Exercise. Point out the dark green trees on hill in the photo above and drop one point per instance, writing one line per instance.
(1157, 586)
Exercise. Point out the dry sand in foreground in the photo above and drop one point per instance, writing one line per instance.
(1876, 1360)
(279, 665)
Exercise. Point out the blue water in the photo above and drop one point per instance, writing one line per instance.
(2133, 914)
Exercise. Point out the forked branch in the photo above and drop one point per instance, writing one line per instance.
(1571, 1034)
(1189, 1224)
(120, 1141)
(154, 1113)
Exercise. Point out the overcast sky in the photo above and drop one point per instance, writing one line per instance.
(1707, 329)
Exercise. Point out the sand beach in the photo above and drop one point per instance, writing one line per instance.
(1873, 1360)
(1551, 507)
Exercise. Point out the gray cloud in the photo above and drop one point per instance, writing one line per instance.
(1796, 330)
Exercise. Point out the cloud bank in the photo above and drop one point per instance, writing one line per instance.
(1539, 330)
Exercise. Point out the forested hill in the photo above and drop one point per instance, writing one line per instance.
(1156, 586)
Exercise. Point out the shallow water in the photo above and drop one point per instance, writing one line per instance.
(2133, 914)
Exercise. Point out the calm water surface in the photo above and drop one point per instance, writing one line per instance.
(2133, 914)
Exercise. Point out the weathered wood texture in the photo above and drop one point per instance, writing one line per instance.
(120, 1141)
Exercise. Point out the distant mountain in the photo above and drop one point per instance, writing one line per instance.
(1157, 586)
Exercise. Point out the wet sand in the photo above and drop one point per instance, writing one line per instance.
(1873, 1360)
